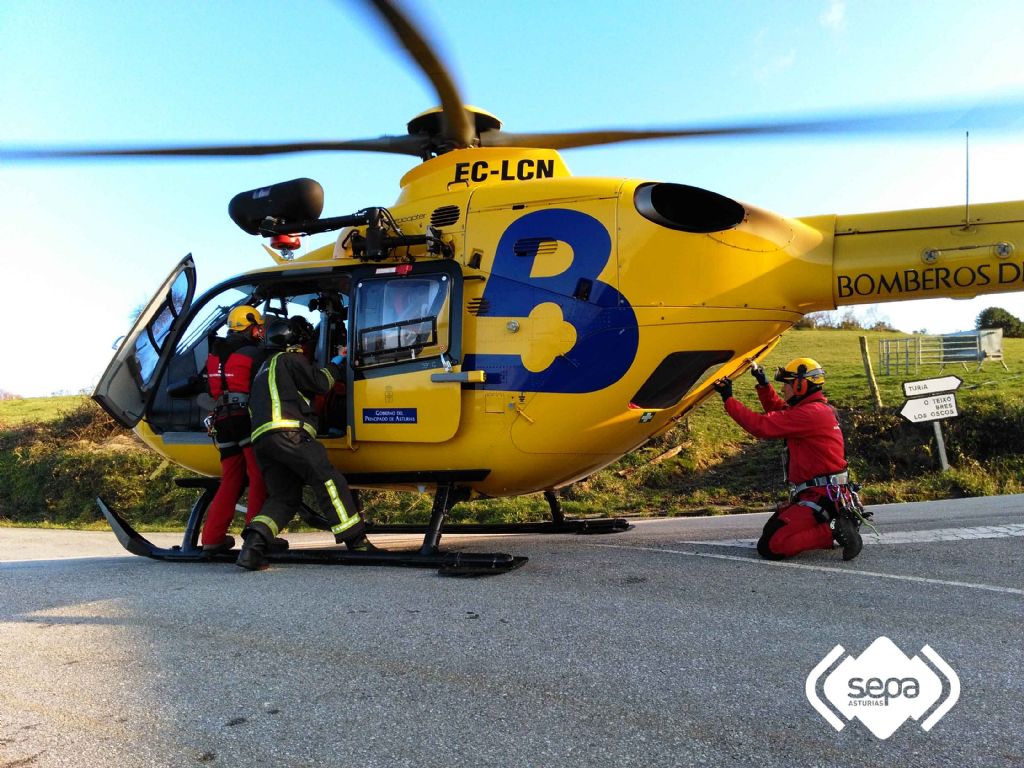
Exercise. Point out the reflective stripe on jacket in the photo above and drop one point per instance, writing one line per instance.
(282, 392)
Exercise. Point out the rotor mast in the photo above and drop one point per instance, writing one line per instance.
(457, 130)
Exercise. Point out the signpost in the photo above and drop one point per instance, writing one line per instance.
(932, 400)
(931, 386)
(933, 408)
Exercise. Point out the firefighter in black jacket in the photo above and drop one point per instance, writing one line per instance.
(284, 440)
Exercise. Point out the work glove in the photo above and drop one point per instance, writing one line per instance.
(758, 373)
(724, 388)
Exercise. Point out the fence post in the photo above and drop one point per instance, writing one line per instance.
(872, 384)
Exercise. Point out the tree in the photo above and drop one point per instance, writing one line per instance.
(874, 320)
(997, 317)
(846, 319)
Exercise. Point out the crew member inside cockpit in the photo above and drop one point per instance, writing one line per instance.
(407, 300)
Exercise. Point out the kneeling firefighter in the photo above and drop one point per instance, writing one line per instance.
(822, 503)
(284, 440)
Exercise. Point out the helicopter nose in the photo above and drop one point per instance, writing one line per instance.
(687, 209)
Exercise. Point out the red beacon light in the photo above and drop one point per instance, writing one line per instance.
(285, 243)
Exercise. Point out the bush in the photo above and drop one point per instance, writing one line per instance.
(996, 317)
(882, 446)
(52, 472)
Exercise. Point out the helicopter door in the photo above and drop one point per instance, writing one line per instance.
(126, 386)
(405, 347)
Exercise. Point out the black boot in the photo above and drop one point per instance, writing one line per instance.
(253, 552)
(277, 546)
(361, 544)
(225, 545)
(844, 531)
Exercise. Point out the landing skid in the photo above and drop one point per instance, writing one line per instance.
(429, 555)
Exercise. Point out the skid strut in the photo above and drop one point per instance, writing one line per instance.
(559, 523)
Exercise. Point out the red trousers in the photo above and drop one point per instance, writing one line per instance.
(234, 470)
(795, 529)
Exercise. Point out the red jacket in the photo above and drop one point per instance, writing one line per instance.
(810, 428)
(232, 364)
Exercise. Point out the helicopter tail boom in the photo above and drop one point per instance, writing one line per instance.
(926, 253)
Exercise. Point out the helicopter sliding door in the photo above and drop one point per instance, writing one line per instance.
(127, 385)
(404, 346)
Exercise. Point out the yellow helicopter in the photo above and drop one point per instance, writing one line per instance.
(511, 328)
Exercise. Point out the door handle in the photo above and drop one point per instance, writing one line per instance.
(463, 377)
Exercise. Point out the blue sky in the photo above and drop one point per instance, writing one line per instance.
(89, 242)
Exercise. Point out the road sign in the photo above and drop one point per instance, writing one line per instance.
(931, 386)
(932, 408)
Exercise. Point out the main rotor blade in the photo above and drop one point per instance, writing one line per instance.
(400, 145)
(456, 124)
(994, 116)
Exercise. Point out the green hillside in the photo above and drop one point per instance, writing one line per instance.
(57, 454)
(895, 460)
(36, 409)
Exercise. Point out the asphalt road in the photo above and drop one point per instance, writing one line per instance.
(668, 645)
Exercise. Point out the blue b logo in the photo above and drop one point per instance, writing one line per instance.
(606, 327)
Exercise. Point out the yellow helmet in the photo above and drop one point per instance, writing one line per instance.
(242, 317)
(800, 371)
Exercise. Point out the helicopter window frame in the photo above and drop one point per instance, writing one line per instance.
(443, 309)
(207, 315)
(131, 381)
(258, 290)
(403, 338)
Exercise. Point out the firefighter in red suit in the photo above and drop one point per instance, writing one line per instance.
(230, 368)
(816, 469)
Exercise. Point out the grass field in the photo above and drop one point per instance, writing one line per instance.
(847, 384)
(57, 454)
(36, 409)
(721, 465)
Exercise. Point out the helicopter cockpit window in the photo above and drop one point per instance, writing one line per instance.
(400, 319)
(214, 315)
(282, 307)
(324, 305)
(312, 298)
(319, 296)
(150, 344)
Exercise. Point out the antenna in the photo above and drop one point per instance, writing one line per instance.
(967, 180)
